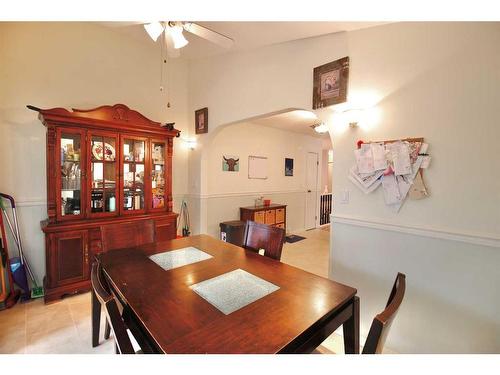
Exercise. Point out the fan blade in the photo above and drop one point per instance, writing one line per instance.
(171, 51)
(208, 34)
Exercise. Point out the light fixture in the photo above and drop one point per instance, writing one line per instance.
(190, 143)
(320, 128)
(175, 32)
(154, 30)
(353, 116)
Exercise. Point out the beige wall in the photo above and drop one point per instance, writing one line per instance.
(436, 80)
(227, 191)
(441, 82)
(78, 65)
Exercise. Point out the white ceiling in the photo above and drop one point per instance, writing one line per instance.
(294, 120)
(246, 35)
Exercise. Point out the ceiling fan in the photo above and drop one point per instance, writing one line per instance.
(174, 37)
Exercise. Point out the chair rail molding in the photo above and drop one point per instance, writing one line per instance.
(472, 238)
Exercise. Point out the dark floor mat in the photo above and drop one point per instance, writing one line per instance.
(294, 238)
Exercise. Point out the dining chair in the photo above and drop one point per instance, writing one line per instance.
(118, 319)
(382, 322)
(123, 344)
(127, 234)
(261, 236)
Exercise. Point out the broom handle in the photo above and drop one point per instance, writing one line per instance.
(16, 234)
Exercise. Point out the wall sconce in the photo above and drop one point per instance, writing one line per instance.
(353, 116)
(190, 143)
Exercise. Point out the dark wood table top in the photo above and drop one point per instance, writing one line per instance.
(180, 321)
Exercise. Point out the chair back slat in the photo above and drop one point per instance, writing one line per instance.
(261, 236)
(101, 290)
(382, 322)
(127, 234)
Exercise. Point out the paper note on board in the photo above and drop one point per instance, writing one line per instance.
(378, 153)
(365, 190)
(426, 162)
(400, 153)
(366, 184)
(364, 159)
(391, 190)
(418, 189)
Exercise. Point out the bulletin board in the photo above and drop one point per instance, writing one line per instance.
(398, 169)
(257, 167)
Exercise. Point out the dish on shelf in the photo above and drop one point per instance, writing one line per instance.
(109, 151)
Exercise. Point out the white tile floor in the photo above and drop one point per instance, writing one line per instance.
(65, 327)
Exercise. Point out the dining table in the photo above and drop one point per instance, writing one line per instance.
(199, 294)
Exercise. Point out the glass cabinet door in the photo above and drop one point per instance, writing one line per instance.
(70, 200)
(158, 151)
(133, 151)
(103, 175)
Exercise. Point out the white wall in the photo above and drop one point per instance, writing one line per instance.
(442, 82)
(227, 191)
(77, 65)
(326, 172)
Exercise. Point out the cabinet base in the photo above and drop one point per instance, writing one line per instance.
(57, 293)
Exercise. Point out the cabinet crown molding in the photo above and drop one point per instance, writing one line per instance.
(113, 115)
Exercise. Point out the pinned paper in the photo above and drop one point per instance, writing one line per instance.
(400, 153)
(378, 153)
(418, 189)
(391, 190)
(364, 159)
(367, 184)
(426, 161)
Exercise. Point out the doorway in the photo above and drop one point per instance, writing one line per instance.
(311, 190)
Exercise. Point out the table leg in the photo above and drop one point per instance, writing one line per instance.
(96, 319)
(351, 329)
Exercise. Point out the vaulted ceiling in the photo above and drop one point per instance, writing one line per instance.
(246, 35)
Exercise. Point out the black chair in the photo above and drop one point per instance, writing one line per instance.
(120, 322)
(261, 236)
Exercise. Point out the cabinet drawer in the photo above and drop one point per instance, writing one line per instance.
(258, 217)
(270, 217)
(165, 230)
(280, 215)
(280, 225)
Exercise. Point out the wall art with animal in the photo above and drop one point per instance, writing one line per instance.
(230, 163)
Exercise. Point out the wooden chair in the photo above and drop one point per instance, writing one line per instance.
(127, 234)
(101, 293)
(261, 236)
(121, 322)
(383, 321)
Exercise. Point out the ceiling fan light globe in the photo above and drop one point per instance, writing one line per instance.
(154, 30)
(178, 37)
(321, 128)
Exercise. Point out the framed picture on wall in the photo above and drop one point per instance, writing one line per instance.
(288, 167)
(201, 120)
(330, 83)
(230, 163)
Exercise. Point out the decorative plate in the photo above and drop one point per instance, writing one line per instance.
(109, 153)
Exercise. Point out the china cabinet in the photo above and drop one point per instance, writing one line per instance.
(105, 165)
